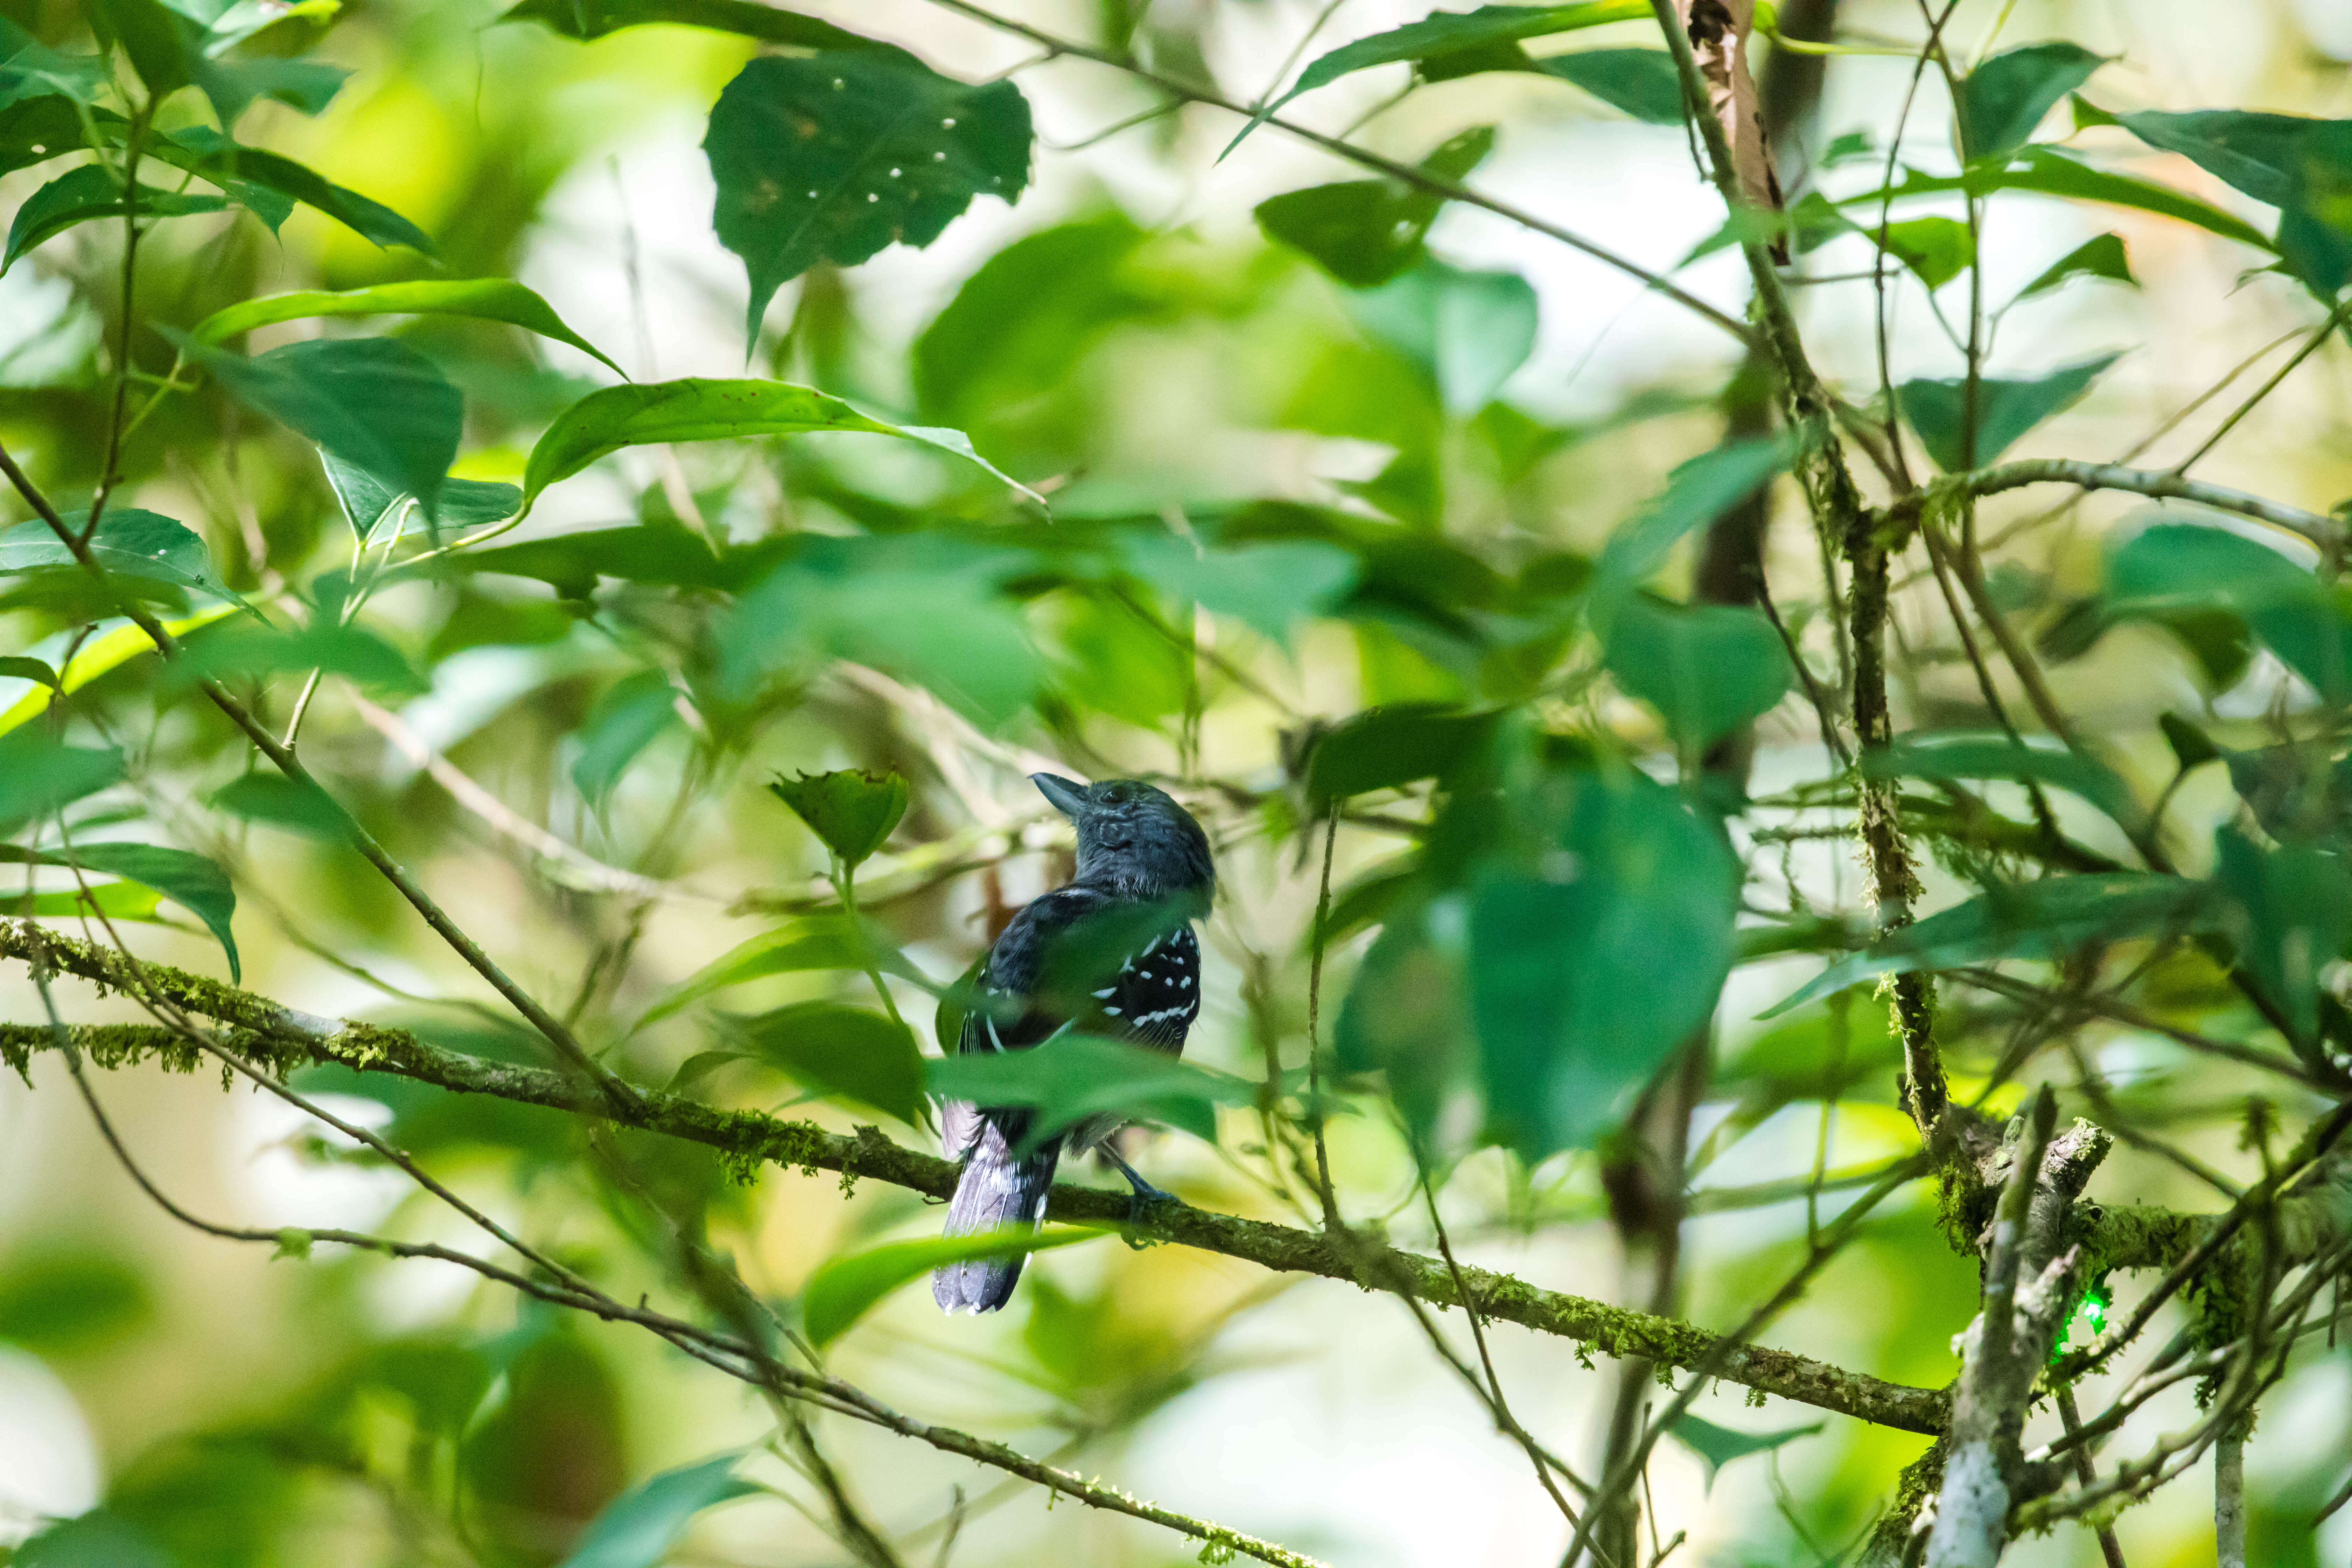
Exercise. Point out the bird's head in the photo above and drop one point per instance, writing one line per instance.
(1134, 837)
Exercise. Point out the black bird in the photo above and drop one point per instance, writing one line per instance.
(1139, 852)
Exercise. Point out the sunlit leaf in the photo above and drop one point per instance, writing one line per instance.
(240, 170)
(84, 195)
(638, 1529)
(2005, 411)
(1072, 1076)
(843, 1053)
(106, 651)
(831, 157)
(2039, 920)
(845, 1289)
(1706, 669)
(1936, 250)
(481, 299)
(852, 812)
(605, 421)
(2006, 95)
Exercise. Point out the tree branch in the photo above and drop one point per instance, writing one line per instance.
(2321, 530)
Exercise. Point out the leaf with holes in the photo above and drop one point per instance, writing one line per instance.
(831, 157)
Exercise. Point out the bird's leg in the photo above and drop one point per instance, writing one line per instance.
(1145, 1195)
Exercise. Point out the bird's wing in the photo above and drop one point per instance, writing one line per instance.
(1156, 994)
(1016, 963)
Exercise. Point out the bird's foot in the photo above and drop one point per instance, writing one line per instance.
(1140, 1204)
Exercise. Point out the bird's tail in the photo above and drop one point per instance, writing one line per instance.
(997, 1189)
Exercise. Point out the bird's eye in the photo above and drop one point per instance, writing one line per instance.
(1116, 795)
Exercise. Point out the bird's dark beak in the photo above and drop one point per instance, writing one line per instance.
(1069, 796)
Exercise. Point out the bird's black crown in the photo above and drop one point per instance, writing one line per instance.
(1134, 840)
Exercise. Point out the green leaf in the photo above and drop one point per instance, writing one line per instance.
(634, 713)
(2191, 747)
(18, 668)
(94, 1540)
(1469, 330)
(82, 195)
(843, 1053)
(31, 72)
(1957, 756)
(1642, 83)
(479, 299)
(1270, 586)
(1018, 325)
(1697, 492)
(653, 554)
(1072, 1076)
(852, 812)
(1572, 1004)
(1407, 1016)
(191, 881)
(2255, 152)
(1390, 747)
(2006, 95)
(2102, 256)
(1706, 669)
(377, 404)
(280, 802)
(833, 157)
(350, 651)
(1365, 232)
(2290, 916)
(2039, 920)
(586, 19)
(115, 901)
(700, 410)
(1936, 250)
(135, 547)
(367, 500)
(168, 49)
(39, 776)
(2181, 570)
(2052, 172)
(241, 170)
(819, 942)
(2006, 410)
(638, 1529)
(1448, 33)
(1719, 1446)
(70, 1299)
(845, 1289)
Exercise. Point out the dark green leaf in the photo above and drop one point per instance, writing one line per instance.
(168, 49)
(39, 777)
(2006, 410)
(1642, 83)
(1388, 748)
(586, 19)
(655, 554)
(1366, 232)
(638, 1529)
(833, 157)
(2289, 915)
(1706, 669)
(239, 170)
(2102, 256)
(94, 1540)
(1937, 249)
(481, 299)
(2192, 748)
(843, 1053)
(80, 195)
(1072, 1076)
(698, 410)
(1954, 757)
(18, 668)
(280, 802)
(2255, 152)
(632, 715)
(819, 942)
(136, 546)
(1572, 1005)
(1469, 330)
(2006, 95)
(367, 500)
(2176, 570)
(1719, 1446)
(70, 1298)
(195, 883)
(2034, 919)
(852, 812)
(845, 1289)
(1018, 325)
(376, 403)
(1696, 493)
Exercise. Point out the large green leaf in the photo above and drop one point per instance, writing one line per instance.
(2301, 166)
(367, 500)
(587, 19)
(1706, 669)
(376, 403)
(134, 546)
(1072, 1076)
(192, 881)
(1696, 493)
(69, 1298)
(1015, 328)
(833, 157)
(39, 776)
(84, 195)
(1642, 83)
(1407, 1016)
(851, 811)
(2006, 95)
(2033, 920)
(1365, 232)
(2177, 571)
(30, 70)
(817, 942)
(481, 298)
(2289, 916)
(845, 1289)
(843, 1053)
(700, 410)
(1487, 33)
(1469, 330)
(1573, 1003)
(280, 802)
(638, 1529)
(2006, 410)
